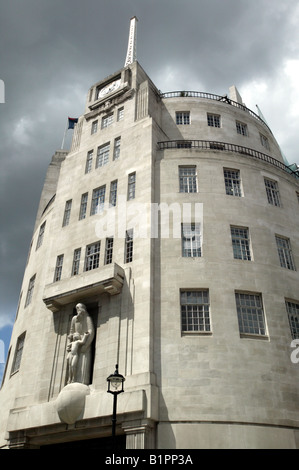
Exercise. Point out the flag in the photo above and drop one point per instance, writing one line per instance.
(72, 122)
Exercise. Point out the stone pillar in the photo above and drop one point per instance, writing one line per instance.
(140, 436)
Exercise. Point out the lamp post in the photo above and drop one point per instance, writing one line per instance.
(115, 386)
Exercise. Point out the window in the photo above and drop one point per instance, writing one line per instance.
(83, 206)
(116, 150)
(92, 257)
(76, 261)
(120, 114)
(103, 155)
(41, 235)
(129, 246)
(285, 253)
(191, 240)
(94, 127)
(18, 353)
(98, 200)
(113, 193)
(30, 290)
(58, 268)
(232, 182)
(293, 315)
(183, 117)
(188, 179)
(109, 250)
(241, 128)
(131, 185)
(272, 192)
(240, 241)
(250, 314)
(264, 142)
(195, 311)
(107, 120)
(67, 213)
(88, 166)
(213, 120)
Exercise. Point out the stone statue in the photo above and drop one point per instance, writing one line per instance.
(79, 348)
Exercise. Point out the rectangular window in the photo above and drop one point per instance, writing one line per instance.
(188, 179)
(241, 244)
(195, 311)
(191, 240)
(272, 192)
(250, 314)
(88, 166)
(94, 127)
(103, 155)
(18, 354)
(116, 150)
(107, 120)
(293, 315)
(98, 200)
(285, 252)
(131, 185)
(264, 142)
(76, 261)
(83, 206)
(241, 128)
(182, 117)
(92, 257)
(120, 114)
(41, 235)
(129, 246)
(109, 250)
(58, 268)
(30, 290)
(113, 193)
(213, 120)
(67, 213)
(232, 182)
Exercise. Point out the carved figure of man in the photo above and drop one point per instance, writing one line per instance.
(81, 328)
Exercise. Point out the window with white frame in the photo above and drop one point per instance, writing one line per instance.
(293, 316)
(113, 193)
(120, 114)
(213, 120)
(98, 200)
(30, 290)
(285, 252)
(182, 117)
(18, 353)
(92, 256)
(41, 235)
(272, 192)
(129, 246)
(131, 186)
(187, 179)
(116, 149)
(76, 262)
(88, 166)
(232, 182)
(242, 128)
(250, 314)
(191, 240)
(58, 268)
(195, 311)
(67, 213)
(103, 155)
(241, 243)
(83, 206)
(107, 120)
(94, 127)
(109, 250)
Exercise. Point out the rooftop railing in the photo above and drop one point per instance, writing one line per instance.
(224, 146)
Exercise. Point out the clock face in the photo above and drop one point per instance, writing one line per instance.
(109, 88)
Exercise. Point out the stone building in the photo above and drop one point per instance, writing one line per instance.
(175, 220)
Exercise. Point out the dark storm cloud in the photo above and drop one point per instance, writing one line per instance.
(52, 51)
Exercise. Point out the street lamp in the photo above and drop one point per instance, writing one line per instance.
(115, 386)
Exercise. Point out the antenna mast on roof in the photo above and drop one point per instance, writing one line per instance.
(131, 52)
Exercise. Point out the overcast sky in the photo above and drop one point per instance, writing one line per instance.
(52, 51)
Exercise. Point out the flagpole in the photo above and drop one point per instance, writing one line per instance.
(66, 127)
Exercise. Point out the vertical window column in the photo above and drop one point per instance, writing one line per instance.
(58, 268)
